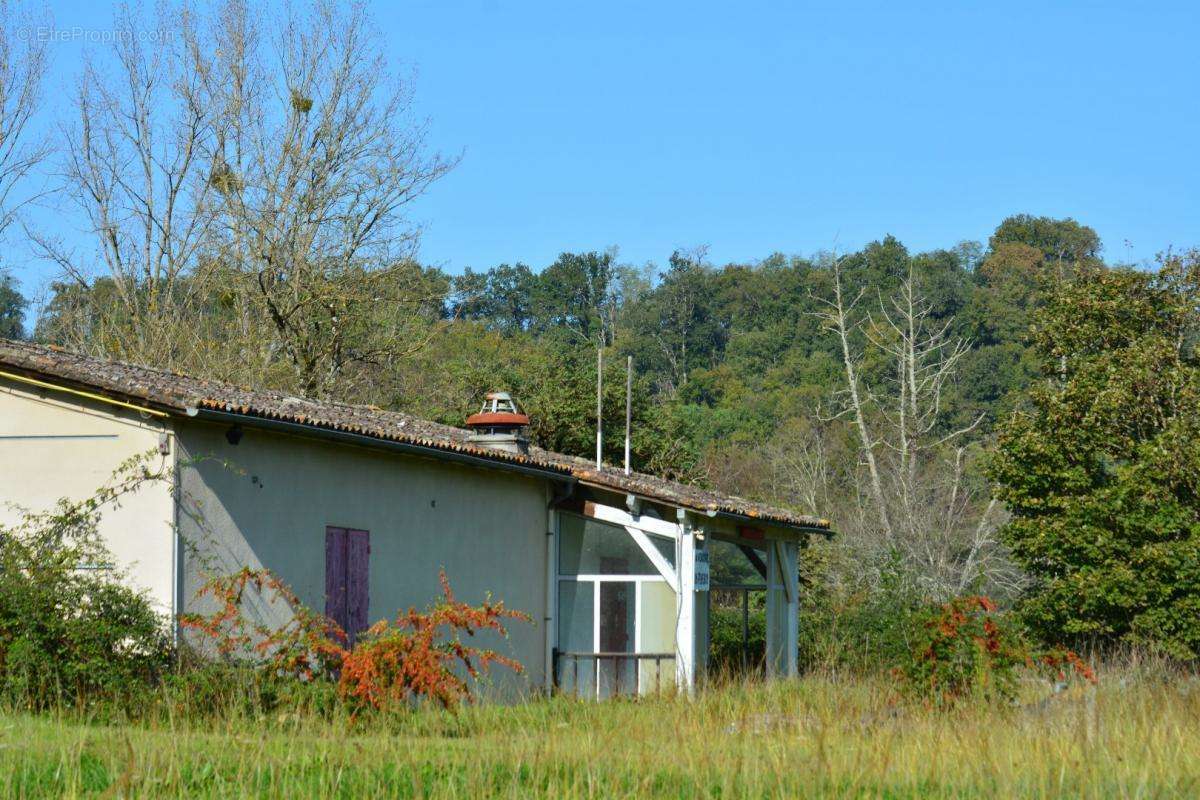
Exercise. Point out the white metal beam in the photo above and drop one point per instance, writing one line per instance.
(656, 557)
(791, 585)
(774, 596)
(643, 522)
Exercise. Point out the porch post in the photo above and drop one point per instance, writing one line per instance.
(791, 576)
(775, 633)
(685, 629)
(783, 609)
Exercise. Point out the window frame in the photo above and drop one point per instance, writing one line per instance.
(596, 579)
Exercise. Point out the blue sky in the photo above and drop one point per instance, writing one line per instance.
(758, 127)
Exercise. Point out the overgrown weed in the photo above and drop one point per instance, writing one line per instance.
(1135, 735)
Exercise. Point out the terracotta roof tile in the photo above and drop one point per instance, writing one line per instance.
(172, 392)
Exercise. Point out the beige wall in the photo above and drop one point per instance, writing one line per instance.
(267, 500)
(657, 634)
(53, 445)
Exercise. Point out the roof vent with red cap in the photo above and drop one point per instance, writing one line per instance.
(500, 424)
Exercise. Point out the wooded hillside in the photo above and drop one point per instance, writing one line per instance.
(861, 386)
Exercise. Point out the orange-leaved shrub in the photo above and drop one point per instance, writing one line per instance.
(417, 655)
(967, 648)
(393, 663)
(307, 646)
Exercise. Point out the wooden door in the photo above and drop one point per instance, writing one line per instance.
(347, 573)
(358, 552)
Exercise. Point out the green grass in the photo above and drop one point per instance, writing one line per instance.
(815, 737)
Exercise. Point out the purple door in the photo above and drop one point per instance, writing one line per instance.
(347, 556)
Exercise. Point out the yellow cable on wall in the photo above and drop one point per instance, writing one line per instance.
(77, 392)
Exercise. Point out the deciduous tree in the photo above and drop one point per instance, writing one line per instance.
(22, 68)
(1102, 472)
(247, 180)
(315, 159)
(12, 309)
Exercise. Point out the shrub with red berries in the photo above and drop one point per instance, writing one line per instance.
(420, 655)
(968, 649)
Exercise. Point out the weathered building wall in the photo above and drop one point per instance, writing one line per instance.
(267, 501)
(53, 445)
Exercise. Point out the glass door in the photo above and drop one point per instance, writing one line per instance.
(611, 601)
(616, 634)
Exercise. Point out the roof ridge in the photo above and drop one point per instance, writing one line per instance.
(185, 393)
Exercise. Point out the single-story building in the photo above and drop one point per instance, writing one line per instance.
(357, 509)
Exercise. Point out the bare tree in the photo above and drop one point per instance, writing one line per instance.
(317, 158)
(801, 467)
(22, 67)
(925, 358)
(930, 507)
(837, 318)
(135, 165)
(247, 180)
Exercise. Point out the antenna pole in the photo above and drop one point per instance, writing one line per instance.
(628, 407)
(599, 403)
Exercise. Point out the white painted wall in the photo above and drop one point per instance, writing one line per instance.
(54, 445)
(266, 502)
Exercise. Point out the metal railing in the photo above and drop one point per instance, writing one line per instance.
(602, 675)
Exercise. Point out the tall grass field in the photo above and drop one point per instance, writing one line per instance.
(1136, 735)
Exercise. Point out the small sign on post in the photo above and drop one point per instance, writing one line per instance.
(701, 570)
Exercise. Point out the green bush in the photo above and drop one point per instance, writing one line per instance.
(862, 622)
(70, 632)
(203, 689)
(725, 637)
